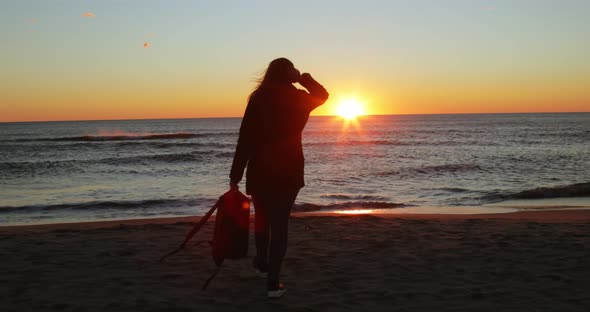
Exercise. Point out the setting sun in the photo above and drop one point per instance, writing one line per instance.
(349, 109)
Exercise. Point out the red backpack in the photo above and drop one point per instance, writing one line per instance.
(230, 236)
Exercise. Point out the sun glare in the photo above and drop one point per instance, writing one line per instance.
(349, 109)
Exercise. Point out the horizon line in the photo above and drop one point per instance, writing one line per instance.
(225, 117)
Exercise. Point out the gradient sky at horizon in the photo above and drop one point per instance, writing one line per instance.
(77, 60)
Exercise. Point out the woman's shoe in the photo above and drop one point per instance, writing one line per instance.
(261, 270)
(260, 273)
(278, 292)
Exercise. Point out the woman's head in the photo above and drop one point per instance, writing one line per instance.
(280, 70)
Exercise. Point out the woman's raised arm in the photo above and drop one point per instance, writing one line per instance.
(317, 93)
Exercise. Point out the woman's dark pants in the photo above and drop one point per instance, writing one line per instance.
(271, 221)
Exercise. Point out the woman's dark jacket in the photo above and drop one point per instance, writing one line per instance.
(270, 136)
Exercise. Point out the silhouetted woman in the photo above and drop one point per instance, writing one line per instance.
(270, 146)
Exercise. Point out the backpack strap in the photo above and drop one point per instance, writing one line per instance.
(217, 269)
(194, 230)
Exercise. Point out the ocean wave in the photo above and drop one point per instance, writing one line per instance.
(96, 205)
(168, 145)
(51, 149)
(128, 137)
(347, 205)
(454, 190)
(60, 167)
(146, 159)
(40, 168)
(355, 142)
(173, 203)
(430, 170)
(142, 144)
(572, 190)
(348, 143)
(165, 158)
(354, 197)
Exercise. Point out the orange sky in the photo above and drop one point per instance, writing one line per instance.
(133, 100)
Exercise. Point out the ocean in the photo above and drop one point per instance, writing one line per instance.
(104, 170)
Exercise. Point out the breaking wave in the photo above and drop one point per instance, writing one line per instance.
(572, 190)
(347, 205)
(174, 203)
(354, 197)
(131, 204)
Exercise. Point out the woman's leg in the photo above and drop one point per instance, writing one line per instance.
(261, 231)
(279, 220)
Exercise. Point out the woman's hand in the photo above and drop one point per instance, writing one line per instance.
(305, 77)
(306, 80)
(233, 186)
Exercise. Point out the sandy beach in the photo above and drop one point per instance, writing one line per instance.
(524, 261)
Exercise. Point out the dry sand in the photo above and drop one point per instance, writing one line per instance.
(525, 261)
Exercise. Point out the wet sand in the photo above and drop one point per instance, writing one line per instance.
(523, 261)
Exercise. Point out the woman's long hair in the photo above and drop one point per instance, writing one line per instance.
(279, 71)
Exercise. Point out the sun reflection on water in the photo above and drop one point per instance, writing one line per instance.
(354, 211)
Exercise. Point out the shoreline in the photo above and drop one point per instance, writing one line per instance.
(549, 215)
(503, 207)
